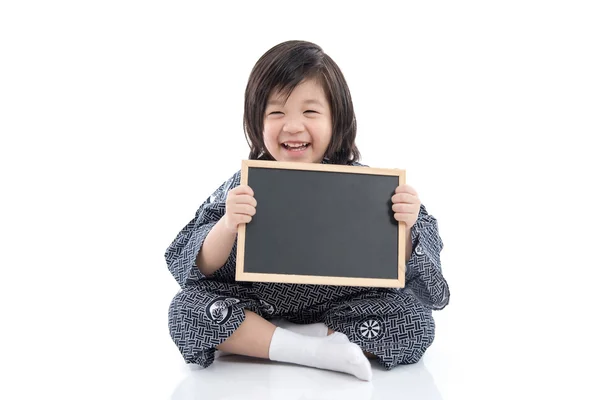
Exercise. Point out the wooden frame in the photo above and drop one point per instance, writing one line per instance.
(241, 275)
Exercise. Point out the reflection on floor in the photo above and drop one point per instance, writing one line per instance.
(235, 377)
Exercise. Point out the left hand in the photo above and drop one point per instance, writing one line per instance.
(406, 205)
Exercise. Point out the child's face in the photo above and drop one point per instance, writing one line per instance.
(300, 129)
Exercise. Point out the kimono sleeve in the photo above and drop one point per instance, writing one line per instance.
(424, 270)
(181, 254)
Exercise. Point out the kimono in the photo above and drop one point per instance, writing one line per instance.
(394, 324)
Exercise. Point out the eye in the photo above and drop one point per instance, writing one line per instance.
(275, 112)
(310, 111)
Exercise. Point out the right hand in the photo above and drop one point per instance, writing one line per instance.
(240, 207)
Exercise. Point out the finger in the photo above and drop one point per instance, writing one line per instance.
(243, 189)
(403, 217)
(405, 208)
(243, 209)
(404, 198)
(244, 219)
(406, 189)
(245, 199)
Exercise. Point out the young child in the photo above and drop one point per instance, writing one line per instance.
(298, 108)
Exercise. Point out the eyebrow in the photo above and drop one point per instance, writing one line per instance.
(308, 101)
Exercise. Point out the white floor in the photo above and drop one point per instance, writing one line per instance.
(239, 378)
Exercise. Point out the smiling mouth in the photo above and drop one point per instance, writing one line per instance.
(295, 146)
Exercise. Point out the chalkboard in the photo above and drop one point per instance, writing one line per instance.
(321, 224)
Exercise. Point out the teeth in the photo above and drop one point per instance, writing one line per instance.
(295, 145)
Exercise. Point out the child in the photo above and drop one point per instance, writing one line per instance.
(298, 108)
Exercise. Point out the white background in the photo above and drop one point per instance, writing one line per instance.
(118, 118)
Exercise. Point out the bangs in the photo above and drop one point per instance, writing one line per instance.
(284, 86)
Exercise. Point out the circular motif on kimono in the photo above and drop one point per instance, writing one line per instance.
(219, 310)
(370, 328)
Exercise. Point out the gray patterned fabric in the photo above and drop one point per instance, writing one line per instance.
(396, 325)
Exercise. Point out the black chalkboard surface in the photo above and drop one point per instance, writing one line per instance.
(321, 224)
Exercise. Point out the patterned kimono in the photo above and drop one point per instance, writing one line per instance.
(396, 325)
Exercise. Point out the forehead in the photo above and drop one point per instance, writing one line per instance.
(309, 91)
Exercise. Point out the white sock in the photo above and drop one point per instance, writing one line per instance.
(317, 330)
(334, 352)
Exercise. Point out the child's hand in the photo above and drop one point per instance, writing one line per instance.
(240, 206)
(406, 205)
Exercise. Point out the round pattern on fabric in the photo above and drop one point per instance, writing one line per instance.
(370, 328)
(219, 310)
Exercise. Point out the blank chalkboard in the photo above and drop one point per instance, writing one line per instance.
(321, 224)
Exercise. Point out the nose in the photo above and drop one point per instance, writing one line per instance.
(292, 125)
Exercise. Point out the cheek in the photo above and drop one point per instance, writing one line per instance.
(269, 134)
(270, 139)
(324, 136)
